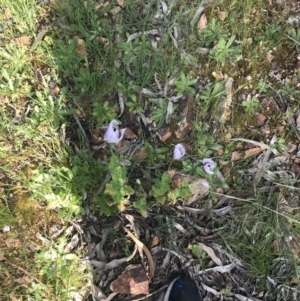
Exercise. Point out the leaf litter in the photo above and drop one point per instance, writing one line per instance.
(170, 260)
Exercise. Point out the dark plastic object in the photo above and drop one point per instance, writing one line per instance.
(185, 289)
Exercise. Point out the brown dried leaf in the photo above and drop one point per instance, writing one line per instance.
(12, 243)
(188, 115)
(80, 48)
(227, 103)
(121, 3)
(115, 10)
(199, 188)
(103, 41)
(7, 14)
(23, 280)
(269, 57)
(2, 257)
(202, 23)
(235, 156)
(211, 253)
(132, 281)
(55, 90)
(129, 134)
(23, 41)
(252, 152)
(260, 119)
(222, 15)
(155, 241)
(12, 298)
(165, 134)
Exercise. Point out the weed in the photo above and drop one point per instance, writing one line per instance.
(117, 191)
(159, 113)
(61, 273)
(104, 113)
(224, 51)
(251, 105)
(86, 51)
(184, 83)
(213, 32)
(160, 188)
(208, 98)
(203, 141)
(6, 216)
(290, 92)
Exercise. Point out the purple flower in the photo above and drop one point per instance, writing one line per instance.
(179, 151)
(208, 165)
(113, 134)
(204, 183)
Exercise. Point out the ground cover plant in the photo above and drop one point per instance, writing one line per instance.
(165, 127)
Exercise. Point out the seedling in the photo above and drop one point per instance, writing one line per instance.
(224, 50)
(184, 84)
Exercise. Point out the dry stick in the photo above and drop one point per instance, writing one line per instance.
(24, 271)
(292, 39)
(262, 206)
(147, 252)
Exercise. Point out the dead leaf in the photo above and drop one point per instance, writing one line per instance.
(202, 23)
(115, 10)
(12, 298)
(219, 75)
(188, 115)
(6, 14)
(121, 3)
(80, 48)
(269, 57)
(252, 152)
(235, 156)
(23, 41)
(12, 243)
(72, 244)
(169, 112)
(211, 253)
(55, 90)
(155, 241)
(23, 280)
(222, 15)
(2, 257)
(132, 281)
(227, 103)
(199, 187)
(260, 119)
(129, 134)
(165, 134)
(296, 168)
(103, 41)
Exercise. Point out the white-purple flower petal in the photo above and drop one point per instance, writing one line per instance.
(204, 183)
(113, 134)
(179, 151)
(208, 165)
